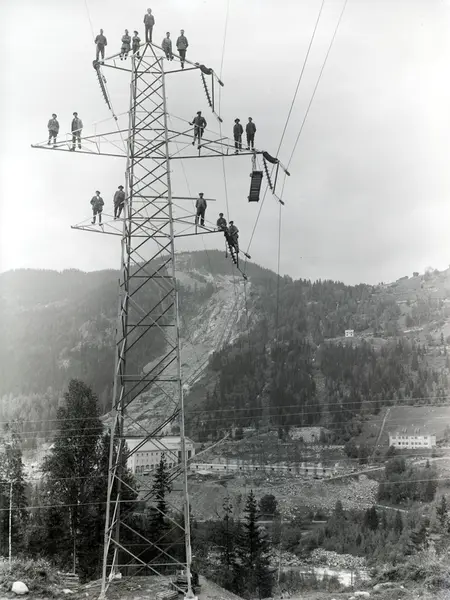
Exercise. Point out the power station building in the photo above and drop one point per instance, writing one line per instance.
(147, 458)
(412, 439)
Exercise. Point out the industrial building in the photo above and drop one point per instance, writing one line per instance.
(148, 456)
(412, 439)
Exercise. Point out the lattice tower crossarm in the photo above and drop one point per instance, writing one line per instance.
(148, 311)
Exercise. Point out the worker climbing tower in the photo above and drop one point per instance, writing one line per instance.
(148, 379)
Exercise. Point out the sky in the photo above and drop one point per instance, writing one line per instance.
(367, 199)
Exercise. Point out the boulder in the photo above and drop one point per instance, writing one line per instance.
(19, 588)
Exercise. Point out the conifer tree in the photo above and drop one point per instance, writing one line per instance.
(12, 493)
(442, 512)
(254, 551)
(161, 487)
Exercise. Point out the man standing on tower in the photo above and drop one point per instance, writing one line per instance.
(237, 132)
(182, 46)
(250, 131)
(53, 129)
(149, 21)
(97, 207)
(166, 45)
(233, 236)
(200, 205)
(199, 124)
(100, 42)
(119, 201)
(77, 127)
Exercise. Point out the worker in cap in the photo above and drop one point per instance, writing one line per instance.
(97, 207)
(250, 130)
(233, 235)
(53, 129)
(200, 206)
(119, 202)
(199, 124)
(221, 223)
(76, 127)
(237, 133)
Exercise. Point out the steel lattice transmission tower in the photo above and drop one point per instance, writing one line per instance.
(148, 304)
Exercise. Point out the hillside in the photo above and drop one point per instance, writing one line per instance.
(252, 354)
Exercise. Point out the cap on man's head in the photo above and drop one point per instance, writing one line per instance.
(200, 193)
(231, 222)
(249, 118)
(236, 120)
(120, 187)
(53, 115)
(220, 214)
(75, 114)
(199, 112)
(97, 192)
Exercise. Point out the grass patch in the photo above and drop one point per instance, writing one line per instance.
(38, 575)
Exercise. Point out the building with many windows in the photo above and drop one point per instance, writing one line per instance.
(148, 456)
(412, 439)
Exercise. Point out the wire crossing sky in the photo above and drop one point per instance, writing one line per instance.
(367, 196)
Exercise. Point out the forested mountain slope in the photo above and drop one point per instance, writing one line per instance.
(277, 350)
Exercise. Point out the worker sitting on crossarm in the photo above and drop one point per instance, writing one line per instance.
(97, 207)
(199, 124)
(119, 201)
(233, 236)
(136, 44)
(221, 223)
(200, 205)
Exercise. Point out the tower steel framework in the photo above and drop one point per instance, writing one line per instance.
(148, 299)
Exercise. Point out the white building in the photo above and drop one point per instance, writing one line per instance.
(415, 439)
(148, 456)
(349, 332)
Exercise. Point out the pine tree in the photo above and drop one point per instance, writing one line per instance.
(13, 494)
(226, 539)
(442, 512)
(71, 473)
(254, 553)
(398, 522)
(161, 487)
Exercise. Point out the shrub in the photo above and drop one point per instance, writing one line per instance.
(38, 575)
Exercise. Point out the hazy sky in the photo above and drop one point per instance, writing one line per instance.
(368, 196)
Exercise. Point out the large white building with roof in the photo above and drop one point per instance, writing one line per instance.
(412, 438)
(148, 456)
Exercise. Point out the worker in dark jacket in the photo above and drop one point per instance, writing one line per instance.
(53, 129)
(149, 21)
(182, 46)
(166, 45)
(97, 207)
(250, 130)
(237, 132)
(100, 42)
(119, 201)
(126, 45)
(77, 127)
(136, 44)
(221, 223)
(200, 205)
(199, 124)
(233, 236)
